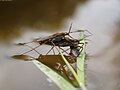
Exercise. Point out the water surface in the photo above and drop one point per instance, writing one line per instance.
(21, 22)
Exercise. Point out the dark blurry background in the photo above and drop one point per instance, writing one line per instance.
(40, 14)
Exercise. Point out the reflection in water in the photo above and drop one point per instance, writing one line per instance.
(55, 62)
(47, 14)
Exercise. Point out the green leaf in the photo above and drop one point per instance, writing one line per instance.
(80, 75)
(81, 63)
(62, 83)
(70, 67)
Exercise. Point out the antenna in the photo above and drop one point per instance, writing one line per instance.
(70, 28)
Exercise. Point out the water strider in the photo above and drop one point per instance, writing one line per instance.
(63, 39)
(57, 40)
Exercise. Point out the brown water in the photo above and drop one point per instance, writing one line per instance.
(21, 21)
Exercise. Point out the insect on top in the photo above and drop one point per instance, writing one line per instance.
(63, 39)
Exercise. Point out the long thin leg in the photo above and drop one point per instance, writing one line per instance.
(31, 49)
(53, 51)
(69, 31)
(71, 36)
(70, 28)
(64, 50)
(81, 49)
(75, 48)
(90, 34)
(59, 47)
(81, 43)
(50, 50)
(55, 46)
